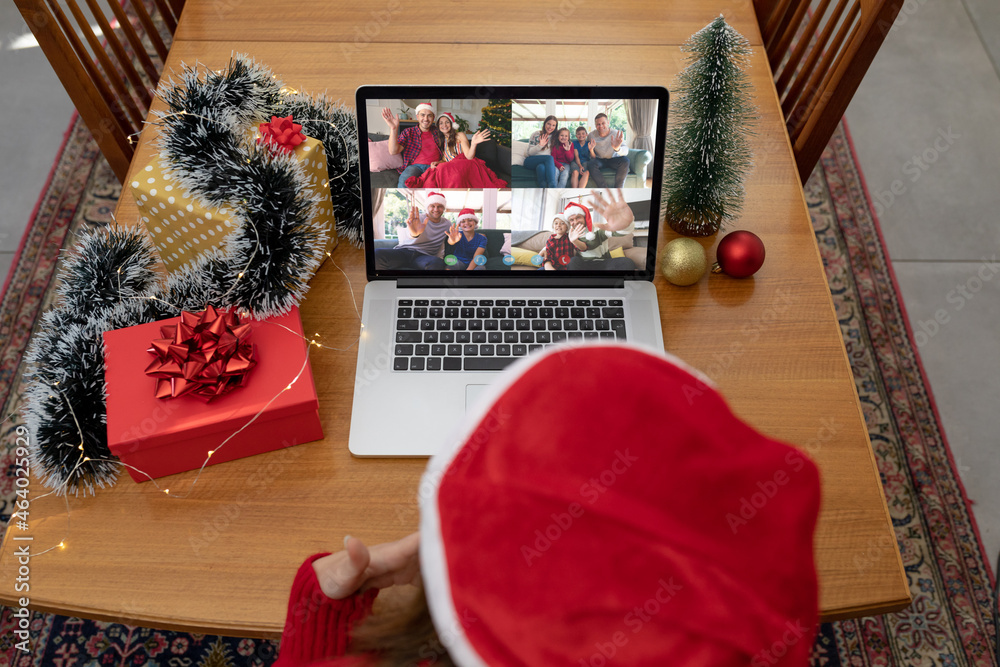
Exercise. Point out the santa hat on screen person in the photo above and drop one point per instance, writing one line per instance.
(447, 115)
(576, 208)
(436, 198)
(649, 546)
(467, 214)
(424, 106)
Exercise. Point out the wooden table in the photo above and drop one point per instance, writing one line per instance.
(222, 560)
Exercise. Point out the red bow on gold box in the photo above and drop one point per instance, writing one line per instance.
(281, 134)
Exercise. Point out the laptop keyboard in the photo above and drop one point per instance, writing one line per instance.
(491, 334)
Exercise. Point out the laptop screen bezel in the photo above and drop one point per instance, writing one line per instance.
(507, 277)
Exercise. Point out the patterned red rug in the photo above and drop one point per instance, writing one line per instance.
(951, 620)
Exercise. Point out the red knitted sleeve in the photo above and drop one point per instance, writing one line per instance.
(316, 626)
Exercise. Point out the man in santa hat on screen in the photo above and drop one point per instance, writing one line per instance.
(591, 239)
(424, 249)
(415, 143)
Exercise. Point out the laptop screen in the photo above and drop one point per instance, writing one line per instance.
(477, 182)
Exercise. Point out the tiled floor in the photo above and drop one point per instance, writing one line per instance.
(926, 124)
(35, 111)
(927, 118)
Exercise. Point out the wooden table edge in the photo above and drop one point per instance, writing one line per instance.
(899, 604)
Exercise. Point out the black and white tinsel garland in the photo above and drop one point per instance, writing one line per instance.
(107, 281)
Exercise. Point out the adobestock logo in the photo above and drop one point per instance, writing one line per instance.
(925, 330)
(766, 491)
(635, 621)
(914, 168)
(794, 632)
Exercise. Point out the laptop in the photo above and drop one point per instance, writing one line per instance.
(484, 242)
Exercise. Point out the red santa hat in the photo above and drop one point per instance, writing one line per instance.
(436, 198)
(467, 213)
(664, 530)
(447, 115)
(576, 208)
(424, 106)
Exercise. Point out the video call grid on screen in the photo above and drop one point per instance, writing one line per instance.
(488, 209)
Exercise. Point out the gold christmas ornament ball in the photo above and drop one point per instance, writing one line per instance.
(683, 262)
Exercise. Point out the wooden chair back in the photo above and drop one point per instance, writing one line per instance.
(111, 83)
(818, 55)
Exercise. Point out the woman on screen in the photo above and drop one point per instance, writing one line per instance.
(459, 167)
(539, 156)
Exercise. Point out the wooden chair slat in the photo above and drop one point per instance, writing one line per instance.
(124, 98)
(783, 23)
(774, 15)
(816, 50)
(848, 71)
(104, 80)
(816, 78)
(820, 76)
(152, 34)
(138, 48)
(176, 6)
(784, 40)
(168, 18)
(125, 65)
(784, 77)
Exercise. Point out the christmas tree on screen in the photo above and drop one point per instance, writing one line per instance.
(708, 152)
(496, 119)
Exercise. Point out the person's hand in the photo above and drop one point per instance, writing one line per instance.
(359, 568)
(543, 140)
(390, 118)
(591, 145)
(562, 167)
(616, 143)
(616, 212)
(480, 136)
(576, 230)
(454, 234)
(413, 224)
(434, 164)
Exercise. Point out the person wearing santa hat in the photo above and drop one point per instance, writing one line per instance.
(591, 238)
(459, 167)
(558, 250)
(464, 246)
(664, 532)
(424, 249)
(416, 143)
(454, 143)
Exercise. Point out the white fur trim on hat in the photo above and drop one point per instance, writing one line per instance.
(436, 198)
(423, 106)
(467, 216)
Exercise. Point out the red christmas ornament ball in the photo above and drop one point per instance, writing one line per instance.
(740, 254)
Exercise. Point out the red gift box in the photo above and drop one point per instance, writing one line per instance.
(162, 437)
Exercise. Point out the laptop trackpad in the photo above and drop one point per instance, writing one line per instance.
(472, 394)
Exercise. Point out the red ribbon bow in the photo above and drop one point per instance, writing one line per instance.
(207, 354)
(281, 134)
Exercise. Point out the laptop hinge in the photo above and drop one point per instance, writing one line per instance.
(513, 282)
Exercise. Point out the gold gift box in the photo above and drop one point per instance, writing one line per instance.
(183, 228)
